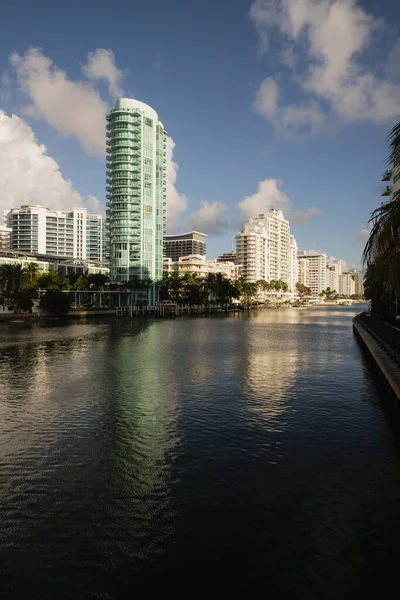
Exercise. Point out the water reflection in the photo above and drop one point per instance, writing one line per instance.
(249, 452)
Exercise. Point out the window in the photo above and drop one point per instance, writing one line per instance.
(148, 122)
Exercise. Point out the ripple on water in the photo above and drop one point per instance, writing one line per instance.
(250, 452)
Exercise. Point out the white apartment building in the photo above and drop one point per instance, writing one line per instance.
(347, 285)
(293, 264)
(304, 272)
(67, 266)
(5, 237)
(392, 183)
(314, 271)
(264, 249)
(334, 270)
(197, 264)
(39, 230)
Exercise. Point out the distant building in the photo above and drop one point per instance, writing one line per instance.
(347, 285)
(391, 179)
(197, 264)
(38, 230)
(264, 249)
(315, 269)
(5, 237)
(46, 264)
(227, 257)
(358, 283)
(304, 272)
(184, 244)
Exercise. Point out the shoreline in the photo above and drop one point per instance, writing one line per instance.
(84, 314)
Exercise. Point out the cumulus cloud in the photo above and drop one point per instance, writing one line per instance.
(298, 218)
(363, 236)
(208, 218)
(335, 33)
(101, 65)
(73, 108)
(393, 63)
(268, 195)
(28, 174)
(176, 203)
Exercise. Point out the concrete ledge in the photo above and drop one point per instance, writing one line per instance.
(388, 367)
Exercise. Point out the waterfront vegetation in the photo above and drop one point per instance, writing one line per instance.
(382, 251)
(20, 286)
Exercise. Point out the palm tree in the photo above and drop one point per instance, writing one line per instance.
(383, 248)
(32, 272)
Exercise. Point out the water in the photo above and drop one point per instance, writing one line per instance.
(247, 453)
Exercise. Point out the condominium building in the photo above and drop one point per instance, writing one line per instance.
(293, 264)
(184, 244)
(39, 230)
(47, 264)
(358, 283)
(391, 178)
(136, 163)
(347, 285)
(264, 249)
(316, 270)
(5, 237)
(227, 257)
(96, 238)
(197, 264)
(304, 272)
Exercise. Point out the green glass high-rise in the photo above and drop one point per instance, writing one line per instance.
(136, 164)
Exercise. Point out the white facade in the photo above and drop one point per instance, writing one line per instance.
(39, 230)
(293, 264)
(197, 264)
(264, 249)
(304, 272)
(316, 269)
(392, 183)
(67, 266)
(347, 286)
(5, 237)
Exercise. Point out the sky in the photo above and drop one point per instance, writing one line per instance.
(268, 104)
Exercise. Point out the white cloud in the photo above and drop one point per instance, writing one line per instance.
(208, 218)
(334, 33)
(393, 63)
(289, 119)
(363, 236)
(94, 205)
(176, 203)
(28, 175)
(298, 218)
(101, 65)
(73, 108)
(268, 195)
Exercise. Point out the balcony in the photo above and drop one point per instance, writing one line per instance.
(386, 176)
(386, 191)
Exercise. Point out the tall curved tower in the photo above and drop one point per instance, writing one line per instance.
(136, 164)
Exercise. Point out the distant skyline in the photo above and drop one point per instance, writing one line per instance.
(267, 104)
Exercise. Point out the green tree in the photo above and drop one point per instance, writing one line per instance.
(303, 289)
(381, 254)
(23, 300)
(55, 302)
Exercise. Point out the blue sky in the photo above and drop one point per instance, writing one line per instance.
(287, 104)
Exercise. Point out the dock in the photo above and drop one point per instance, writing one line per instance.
(382, 342)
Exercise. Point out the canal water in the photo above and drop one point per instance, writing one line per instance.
(244, 453)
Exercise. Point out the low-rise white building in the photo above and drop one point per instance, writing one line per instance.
(197, 264)
(46, 264)
(5, 237)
